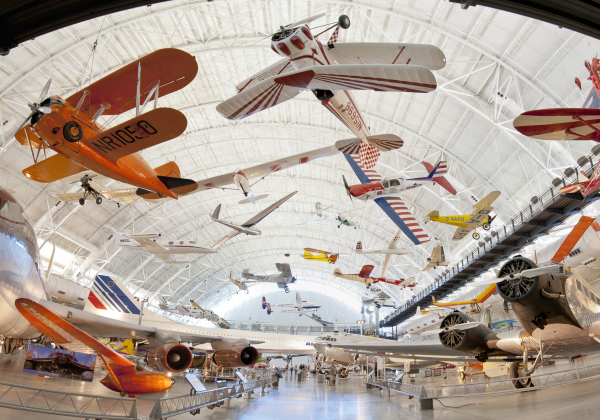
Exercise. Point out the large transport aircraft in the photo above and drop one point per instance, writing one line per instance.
(26, 311)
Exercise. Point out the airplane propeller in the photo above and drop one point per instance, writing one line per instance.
(36, 107)
(527, 274)
(465, 326)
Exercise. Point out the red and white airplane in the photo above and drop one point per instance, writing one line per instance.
(584, 185)
(566, 123)
(365, 277)
(330, 71)
(386, 193)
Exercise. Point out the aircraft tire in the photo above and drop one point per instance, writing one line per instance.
(98, 200)
(81, 201)
(486, 226)
(514, 371)
(72, 131)
(344, 22)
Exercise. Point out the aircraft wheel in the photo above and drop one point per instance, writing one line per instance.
(476, 235)
(72, 131)
(339, 226)
(98, 200)
(516, 371)
(287, 289)
(344, 22)
(81, 201)
(486, 226)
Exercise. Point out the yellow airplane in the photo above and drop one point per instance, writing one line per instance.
(318, 255)
(467, 222)
(213, 317)
(482, 297)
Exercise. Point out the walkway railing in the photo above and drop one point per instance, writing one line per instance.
(69, 404)
(172, 406)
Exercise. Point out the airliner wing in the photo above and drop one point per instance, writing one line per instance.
(426, 347)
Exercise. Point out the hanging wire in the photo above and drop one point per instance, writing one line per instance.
(93, 54)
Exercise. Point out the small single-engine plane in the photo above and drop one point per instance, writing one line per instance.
(301, 307)
(248, 227)
(381, 299)
(318, 255)
(365, 277)
(386, 193)
(437, 258)
(482, 297)
(341, 218)
(282, 279)
(389, 252)
(467, 222)
(584, 185)
(566, 123)
(71, 129)
(330, 71)
(163, 249)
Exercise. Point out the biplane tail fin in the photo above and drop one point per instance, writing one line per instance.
(428, 214)
(307, 254)
(437, 175)
(170, 169)
(264, 303)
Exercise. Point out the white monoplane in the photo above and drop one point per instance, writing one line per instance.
(301, 307)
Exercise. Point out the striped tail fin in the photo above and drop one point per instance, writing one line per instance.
(110, 294)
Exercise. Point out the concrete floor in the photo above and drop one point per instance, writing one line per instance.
(350, 399)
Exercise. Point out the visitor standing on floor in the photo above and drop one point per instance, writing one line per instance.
(333, 375)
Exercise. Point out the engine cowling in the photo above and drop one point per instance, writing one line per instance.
(170, 357)
(239, 356)
(523, 290)
(472, 340)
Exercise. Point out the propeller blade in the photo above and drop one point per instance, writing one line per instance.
(347, 187)
(534, 272)
(44, 92)
(304, 21)
(465, 326)
(21, 126)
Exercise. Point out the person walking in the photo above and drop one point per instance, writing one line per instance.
(333, 375)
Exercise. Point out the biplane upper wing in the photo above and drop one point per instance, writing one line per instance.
(487, 201)
(139, 133)
(173, 68)
(428, 56)
(284, 269)
(393, 207)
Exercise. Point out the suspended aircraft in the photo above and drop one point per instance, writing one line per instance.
(386, 193)
(380, 300)
(390, 251)
(437, 258)
(330, 71)
(163, 249)
(248, 227)
(301, 307)
(312, 254)
(584, 185)
(282, 279)
(467, 222)
(70, 128)
(566, 123)
(342, 218)
(365, 277)
(237, 283)
(482, 297)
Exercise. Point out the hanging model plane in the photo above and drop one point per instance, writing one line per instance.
(365, 277)
(467, 222)
(164, 249)
(584, 185)
(479, 299)
(248, 226)
(389, 252)
(237, 283)
(282, 279)
(70, 128)
(566, 123)
(380, 300)
(332, 70)
(344, 218)
(437, 258)
(301, 307)
(312, 254)
(386, 193)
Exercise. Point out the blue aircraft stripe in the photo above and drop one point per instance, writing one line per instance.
(434, 169)
(362, 177)
(115, 291)
(109, 295)
(106, 301)
(385, 206)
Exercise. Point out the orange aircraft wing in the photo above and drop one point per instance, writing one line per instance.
(572, 238)
(173, 68)
(53, 169)
(366, 271)
(482, 297)
(139, 133)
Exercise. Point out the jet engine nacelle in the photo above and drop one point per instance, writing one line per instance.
(240, 356)
(171, 357)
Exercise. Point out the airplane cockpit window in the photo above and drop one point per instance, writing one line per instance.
(395, 182)
(385, 183)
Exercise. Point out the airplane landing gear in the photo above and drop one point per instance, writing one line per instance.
(12, 345)
(476, 235)
(287, 289)
(516, 370)
(486, 226)
(88, 190)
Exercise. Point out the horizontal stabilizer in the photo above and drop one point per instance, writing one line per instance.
(179, 186)
(383, 142)
(437, 175)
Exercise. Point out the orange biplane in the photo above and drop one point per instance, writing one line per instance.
(70, 128)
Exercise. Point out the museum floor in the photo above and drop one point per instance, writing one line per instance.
(348, 400)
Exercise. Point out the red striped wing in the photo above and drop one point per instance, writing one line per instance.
(409, 220)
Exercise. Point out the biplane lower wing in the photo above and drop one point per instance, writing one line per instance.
(474, 222)
(126, 195)
(139, 133)
(376, 77)
(259, 97)
(53, 169)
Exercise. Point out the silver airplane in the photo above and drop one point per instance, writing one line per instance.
(248, 226)
(282, 279)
